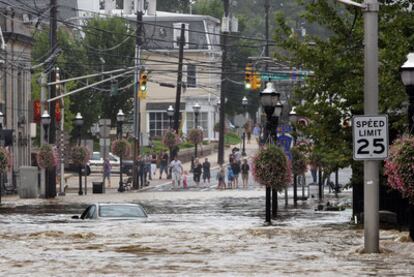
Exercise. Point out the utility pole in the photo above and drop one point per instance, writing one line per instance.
(371, 168)
(43, 96)
(179, 81)
(137, 108)
(51, 188)
(224, 34)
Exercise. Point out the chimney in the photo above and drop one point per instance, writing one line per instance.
(152, 7)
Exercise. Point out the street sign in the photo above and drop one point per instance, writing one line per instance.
(370, 137)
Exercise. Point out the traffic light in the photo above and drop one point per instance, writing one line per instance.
(143, 82)
(248, 76)
(257, 81)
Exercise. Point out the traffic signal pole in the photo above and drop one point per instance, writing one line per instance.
(220, 158)
(137, 108)
(179, 82)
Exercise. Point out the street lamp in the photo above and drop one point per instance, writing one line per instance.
(407, 77)
(78, 121)
(244, 104)
(170, 113)
(45, 120)
(1, 120)
(269, 99)
(196, 109)
(293, 118)
(120, 118)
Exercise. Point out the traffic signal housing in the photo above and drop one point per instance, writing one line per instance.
(143, 82)
(248, 76)
(256, 82)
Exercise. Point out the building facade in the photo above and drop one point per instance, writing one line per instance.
(15, 80)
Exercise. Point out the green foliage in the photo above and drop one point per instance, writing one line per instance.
(213, 8)
(182, 6)
(335, 92)
(231, 138)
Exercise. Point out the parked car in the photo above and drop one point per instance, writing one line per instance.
(113, 211)
(96, 163)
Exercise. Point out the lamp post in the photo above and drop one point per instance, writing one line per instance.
(120, 117)
(1, 144)
(196, 109)
(293, 118)
(244, 104)
(78, 121)
(170, 113)
(269, 99)
(407, 77)
(45, 121)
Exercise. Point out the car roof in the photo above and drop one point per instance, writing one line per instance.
(117, 204)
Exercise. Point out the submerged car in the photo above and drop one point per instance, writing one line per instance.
(111, 211)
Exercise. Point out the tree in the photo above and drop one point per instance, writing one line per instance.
(335, 91)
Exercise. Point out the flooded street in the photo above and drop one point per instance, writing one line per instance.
(204, 233)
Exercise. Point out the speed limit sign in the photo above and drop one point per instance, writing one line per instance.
(370, 137)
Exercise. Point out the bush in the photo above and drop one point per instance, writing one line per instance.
(195, 136)
(121, 147)
(171, 139)
(399, 167)
(46, 157)
(232, 138)
(271, 168)
(299, 164)
(80, 155)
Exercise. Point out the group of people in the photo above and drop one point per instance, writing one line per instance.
(147, 168)
(235, 168)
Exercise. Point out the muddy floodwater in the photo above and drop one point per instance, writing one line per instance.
(209, 233)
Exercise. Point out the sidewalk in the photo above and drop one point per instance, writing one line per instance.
(73, 179)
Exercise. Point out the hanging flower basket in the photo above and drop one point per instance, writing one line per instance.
(4, 160)
(195, 136)
(121, 147)
(171, 139)
(80, 155)
(271, 168)
(299, 165)
(46, 157)
(399, 167)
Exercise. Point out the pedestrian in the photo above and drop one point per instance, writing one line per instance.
(248, 130)
(163, 164)
(176, 171)
(235, 166)
(197, 171)
(206, 171)
(107, 167)
(314, 171)
(257, 132)
(185, 179)
(221, 175)
(140, 172)
(153, 164)
(147, 162)
(245, 173)
(230, 177)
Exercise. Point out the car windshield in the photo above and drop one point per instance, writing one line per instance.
(121, 211)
